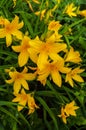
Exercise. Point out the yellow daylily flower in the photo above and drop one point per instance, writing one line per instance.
(23, 49)
(53, 70)
(82, 13)
(25, 99)
(50, 48)
(11, 29)
(74, 75)
(21, 98)
(20, 79)
(70, 109)
(69, 10)
(31, 104)
(63, 115)
(73, 56)
(54, 26)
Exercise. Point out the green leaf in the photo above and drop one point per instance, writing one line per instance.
(28, 24)
(57, 94)
(48, 110)
(24, 119)
(8, 113)
(81, 121)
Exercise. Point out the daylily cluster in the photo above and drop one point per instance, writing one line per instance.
(50, 56)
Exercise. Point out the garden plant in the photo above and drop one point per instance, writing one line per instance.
(42, 64)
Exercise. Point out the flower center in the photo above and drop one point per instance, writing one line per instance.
(8, 28)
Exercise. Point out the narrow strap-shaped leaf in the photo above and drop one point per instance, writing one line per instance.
(9, 114)
(25, 120)
(48, 110)
(58, 96)
(28, 24)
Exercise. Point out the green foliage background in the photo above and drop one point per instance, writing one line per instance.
(50, 96)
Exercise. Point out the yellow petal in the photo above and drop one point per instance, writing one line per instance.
(23, 103)
(55, 56)
(17, 86)
(18, 34)
(25, 70)
(79, 70)
(64, 120)
(34, 57)
(65, 70)
(71, 82)
(8, 40)
(78, 78)
(15, 20)
(16, 48)
(69, 79)
(2, 33)
(20, 25)
(17, 99)
(56, 77)
(43, 77)
(31, 111)
(24, 84)
(23, 58)
(30, 76)
(61, 47)
(9, 81)
(42, 60)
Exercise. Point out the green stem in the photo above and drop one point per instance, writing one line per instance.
(77, 22)
(67, 41)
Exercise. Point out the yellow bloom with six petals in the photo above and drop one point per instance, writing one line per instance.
(19, 79)
(54, 26)
(74, 75)
(69, 10)
(70, 109)
(25, 99)
(10, 29)
(45, 50)
(63, 115)
(73, 56)
(53, 70)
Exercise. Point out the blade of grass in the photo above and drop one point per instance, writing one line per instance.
(24, 119)
(28, 24)
(43, 103)
(45, 93)
(9, 114)
(58, 96)
(45, 120)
